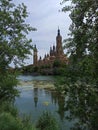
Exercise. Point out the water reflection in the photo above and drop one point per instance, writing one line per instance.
(81, 106)
(34, 100)
(35, 96)
(56, 99)
(60, 101)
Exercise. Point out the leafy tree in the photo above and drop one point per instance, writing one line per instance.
(83, 42)
(14, 45)
(80, 83)
(81, 103)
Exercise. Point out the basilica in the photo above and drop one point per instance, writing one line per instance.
(56, 54)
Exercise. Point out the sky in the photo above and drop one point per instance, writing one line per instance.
(45, 16)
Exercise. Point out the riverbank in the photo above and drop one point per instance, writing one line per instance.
(38, 84)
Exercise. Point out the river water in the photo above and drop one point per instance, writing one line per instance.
(35, 98)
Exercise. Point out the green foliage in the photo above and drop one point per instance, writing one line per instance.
(7, 107)
(27, 123)
(8, 122)
(59, 71)
(82, 104)
(45, 66)
(47, 122)
(82, 44)
(27, 69)
(56, 63)
(35, 69)
(59, 68)
(80, 83)
(14, 45)
(60, 85)
(9, 119)
(13, 42)
(8, 84)
(30, 69)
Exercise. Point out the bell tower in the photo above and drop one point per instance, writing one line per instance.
(35, 57)
(59, 49)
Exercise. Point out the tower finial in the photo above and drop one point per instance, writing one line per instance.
(58, 31)
(35, 46)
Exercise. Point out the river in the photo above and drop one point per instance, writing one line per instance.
(36, 97)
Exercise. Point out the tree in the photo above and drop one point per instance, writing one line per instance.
(14, 45)
(83, 41)
(80, 84)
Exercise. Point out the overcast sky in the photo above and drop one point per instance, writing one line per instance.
(45, 16)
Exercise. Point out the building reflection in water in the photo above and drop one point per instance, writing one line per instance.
(56, 100)
(59, 100)
(35, 96)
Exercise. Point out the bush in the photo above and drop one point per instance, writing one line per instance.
(8, 122)
(9, 119)
(8, 83)
(47, 122)
(8, 108)
(27, 123)
(56, 63)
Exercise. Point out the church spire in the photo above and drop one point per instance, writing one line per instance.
(58, 31)
(59, 50)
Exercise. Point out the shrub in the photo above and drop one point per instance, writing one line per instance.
(47, 122)
(56, 63)
(8, 108)
(27, 123)
(8, 122)
(9, 119)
